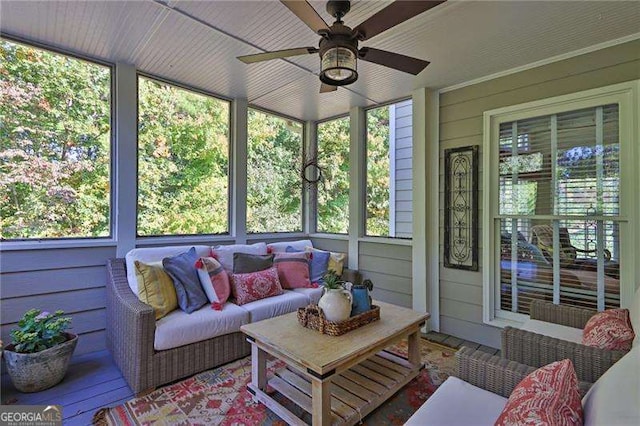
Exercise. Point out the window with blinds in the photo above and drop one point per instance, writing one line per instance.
(558, 212)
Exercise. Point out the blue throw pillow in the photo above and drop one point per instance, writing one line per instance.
(318, 264)
(182, 270)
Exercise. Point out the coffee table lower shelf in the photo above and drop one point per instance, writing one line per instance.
(355, 392)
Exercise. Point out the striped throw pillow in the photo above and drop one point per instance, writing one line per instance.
(214, 280)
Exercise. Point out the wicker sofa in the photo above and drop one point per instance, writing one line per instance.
(535, 344)
(131, 335)
(482, 384)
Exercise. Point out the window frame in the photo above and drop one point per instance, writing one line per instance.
(363, 232)
(191, 237)
(303, 153)
(623, 94)
(314, 191)
(69, 242)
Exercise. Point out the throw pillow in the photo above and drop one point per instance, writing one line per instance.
(155, 288)
(255, 285)
(293, 269)
(224, 254)
(182, 270)
(610, 329)
(336, 261)
(547, 396)
(244, 263)
(318, 263)
(214, 280)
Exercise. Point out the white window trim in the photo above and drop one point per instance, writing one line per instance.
(624, 94)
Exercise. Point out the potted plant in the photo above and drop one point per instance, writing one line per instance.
(39, 353)
(336, 301)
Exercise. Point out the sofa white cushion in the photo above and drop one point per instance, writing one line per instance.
(281, 247)
(313, 294)
(457, 402)
(179, 328)
(224, 254)
(634, 313)
(274, 306)
(550, 329)
(154, 254)
(614, 398)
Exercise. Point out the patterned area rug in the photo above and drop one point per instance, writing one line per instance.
(220, 396)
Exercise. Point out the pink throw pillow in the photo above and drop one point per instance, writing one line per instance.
(214, 280)
(255, 285)
(293, 269)
(547, 396)
(610, 329)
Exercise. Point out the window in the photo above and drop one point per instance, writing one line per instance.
(556, 205)
(389, 171)
(274, 186)
(55, 145)
(183, 161)
(333, 189)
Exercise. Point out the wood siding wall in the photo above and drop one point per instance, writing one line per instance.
(71, 279)
(388, 266)
(461, 121)
(331, 244)
(403, 169)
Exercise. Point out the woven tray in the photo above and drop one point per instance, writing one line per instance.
(312, 317)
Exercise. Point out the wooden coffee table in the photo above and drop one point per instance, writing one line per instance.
(337, 379)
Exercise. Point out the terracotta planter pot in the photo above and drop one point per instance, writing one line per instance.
(41, 370)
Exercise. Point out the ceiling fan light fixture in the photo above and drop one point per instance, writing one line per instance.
(339, 66)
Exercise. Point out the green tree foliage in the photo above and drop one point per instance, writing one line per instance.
(333, 190)
(274, 186)
(54, 145)
(378, 172)
(183, 161)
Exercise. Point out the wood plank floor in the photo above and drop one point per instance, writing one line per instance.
(94, 381)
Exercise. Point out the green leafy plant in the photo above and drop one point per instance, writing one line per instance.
(332, 281)
(39, 331)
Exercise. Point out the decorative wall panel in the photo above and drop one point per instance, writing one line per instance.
(461, 208)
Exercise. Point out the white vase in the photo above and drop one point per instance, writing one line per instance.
(336, 304)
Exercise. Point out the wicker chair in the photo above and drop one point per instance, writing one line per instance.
(537, 350)
(493, 373)
(460, 403)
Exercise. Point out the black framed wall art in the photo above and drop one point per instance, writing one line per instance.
(461, 208)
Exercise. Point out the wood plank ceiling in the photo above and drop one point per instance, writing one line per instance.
(196, 43)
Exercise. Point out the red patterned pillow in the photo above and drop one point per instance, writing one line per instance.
(548, 396)
(610, 329)
(255, 285)
(293, 269)
(214, 280)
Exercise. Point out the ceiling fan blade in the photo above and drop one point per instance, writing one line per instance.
(276, 54)
(307, 14)
(392, 15)
(393, 60)
(325, 88)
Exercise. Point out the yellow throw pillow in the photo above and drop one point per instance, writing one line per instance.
(155, 288)
(336, 262)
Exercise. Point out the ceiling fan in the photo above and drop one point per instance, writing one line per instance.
(338, 46)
